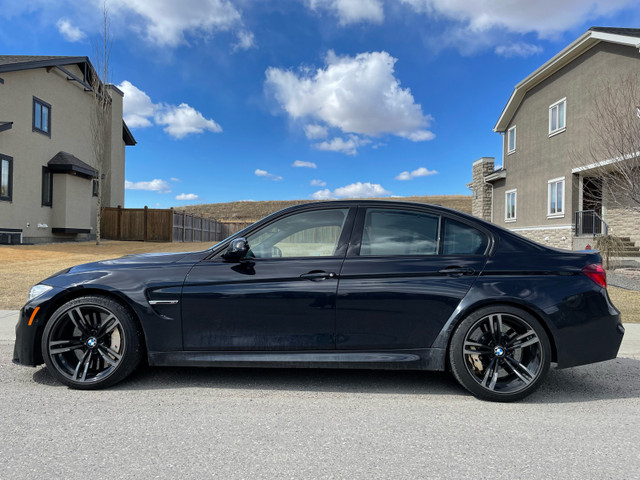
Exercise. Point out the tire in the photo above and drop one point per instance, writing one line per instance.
(91, 342)
(500, 353)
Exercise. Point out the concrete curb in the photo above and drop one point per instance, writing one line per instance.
(630, 347)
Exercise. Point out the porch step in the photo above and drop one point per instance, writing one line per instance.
(628, 248)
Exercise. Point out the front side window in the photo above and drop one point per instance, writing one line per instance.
(557, 116)
(6, 177)
(397, 232)
(47, 187)
(510, 205)
(511, 140)
(41, 116)
(306, 234)
(556, 197)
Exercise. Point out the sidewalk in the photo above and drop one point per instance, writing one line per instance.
(630, 345)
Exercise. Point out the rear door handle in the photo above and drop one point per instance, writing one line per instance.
(457, 271)
(316, 275)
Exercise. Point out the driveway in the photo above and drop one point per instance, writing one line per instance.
(266, 423)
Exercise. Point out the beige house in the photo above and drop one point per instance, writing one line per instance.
(549, 186)
(48, 169)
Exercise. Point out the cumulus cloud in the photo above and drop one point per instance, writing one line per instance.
(155, 185)
(69, 31)
(351, 11)
(316, 182)
(174, 179)
(263, 173)
(246, 40)
(358, 95)
(518, 49)
(179, 120)
(418, 172)
(187, 196)
(300, 163)
(315, 132)
(355, 190)
(167, 22)
(337, 144)
(545, 17)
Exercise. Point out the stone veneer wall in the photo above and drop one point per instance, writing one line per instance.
(481, 202)
(622, 220)
(551, 237)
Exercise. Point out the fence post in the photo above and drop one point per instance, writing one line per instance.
(119, 224)
(184, 226)
(170, 233)
(145, 234)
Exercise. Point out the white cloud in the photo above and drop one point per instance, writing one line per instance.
(317, 183)
(315, 131)
(179, 120)
(351, 11)
(183, 120)
(341, 145)
(418, 172)
(167, 22)
(264, 173)
(155, 185)
(545, 17)
(246, 40)
(355, 190)
(70, 32)
(358, 95)
(174, 179)
(187, 196)
(300, 163)
(518, 49)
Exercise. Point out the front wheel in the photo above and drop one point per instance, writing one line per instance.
(500, 353)
(91, 342)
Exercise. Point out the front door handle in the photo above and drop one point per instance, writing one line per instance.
(457, 271)
(316, 275)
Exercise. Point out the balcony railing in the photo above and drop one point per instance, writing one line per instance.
(588, 222)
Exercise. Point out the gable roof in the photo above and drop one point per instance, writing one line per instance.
(593, 36)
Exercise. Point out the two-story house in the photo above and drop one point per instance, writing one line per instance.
(549, 187)
(48, 167)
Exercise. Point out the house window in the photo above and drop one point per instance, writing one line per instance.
(557, 117)
(47, 187)
(511, 140)
(96, 187)
(6, 177)
(510, 205)
(556, 197)
(41, 117)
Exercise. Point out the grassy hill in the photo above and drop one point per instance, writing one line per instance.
(251, 211)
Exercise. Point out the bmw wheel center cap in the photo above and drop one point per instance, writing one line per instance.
(499, 351)
(92, 342)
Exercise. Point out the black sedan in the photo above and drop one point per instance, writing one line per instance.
(346, 284)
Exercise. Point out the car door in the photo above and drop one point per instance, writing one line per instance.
(280, 297)
(404, 275)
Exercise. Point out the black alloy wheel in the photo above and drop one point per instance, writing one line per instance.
(500, 353)
(91, 342)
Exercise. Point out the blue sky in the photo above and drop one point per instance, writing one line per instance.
(270, 100)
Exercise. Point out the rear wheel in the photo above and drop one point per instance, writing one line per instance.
(500, 353)
(91, 342)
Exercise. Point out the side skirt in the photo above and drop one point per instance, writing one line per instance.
(423, 359)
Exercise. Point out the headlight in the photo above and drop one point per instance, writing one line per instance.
(38, 290)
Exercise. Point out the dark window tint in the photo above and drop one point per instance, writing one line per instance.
(6, 174)
(461, 239)
(397, 232)
(41, 116)
(47, 187)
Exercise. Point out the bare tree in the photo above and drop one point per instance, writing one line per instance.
(613, 151)
(100, 126)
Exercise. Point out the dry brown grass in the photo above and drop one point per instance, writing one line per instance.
(25, 265)
(256, 210)
(22, 266)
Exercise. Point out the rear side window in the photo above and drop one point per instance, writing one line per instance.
(396, 232)
(461, 239)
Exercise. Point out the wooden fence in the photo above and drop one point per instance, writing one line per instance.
(163, 225)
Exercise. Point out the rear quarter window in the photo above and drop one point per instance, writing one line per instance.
(462, 239)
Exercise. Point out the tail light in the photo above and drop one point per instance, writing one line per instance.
(596, 273)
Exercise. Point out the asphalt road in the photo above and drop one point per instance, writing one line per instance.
(253, 423)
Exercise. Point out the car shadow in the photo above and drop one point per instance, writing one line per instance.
(614, 379)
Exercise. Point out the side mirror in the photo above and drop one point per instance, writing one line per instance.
(237, 250)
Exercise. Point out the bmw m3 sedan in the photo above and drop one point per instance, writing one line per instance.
(340, 284)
